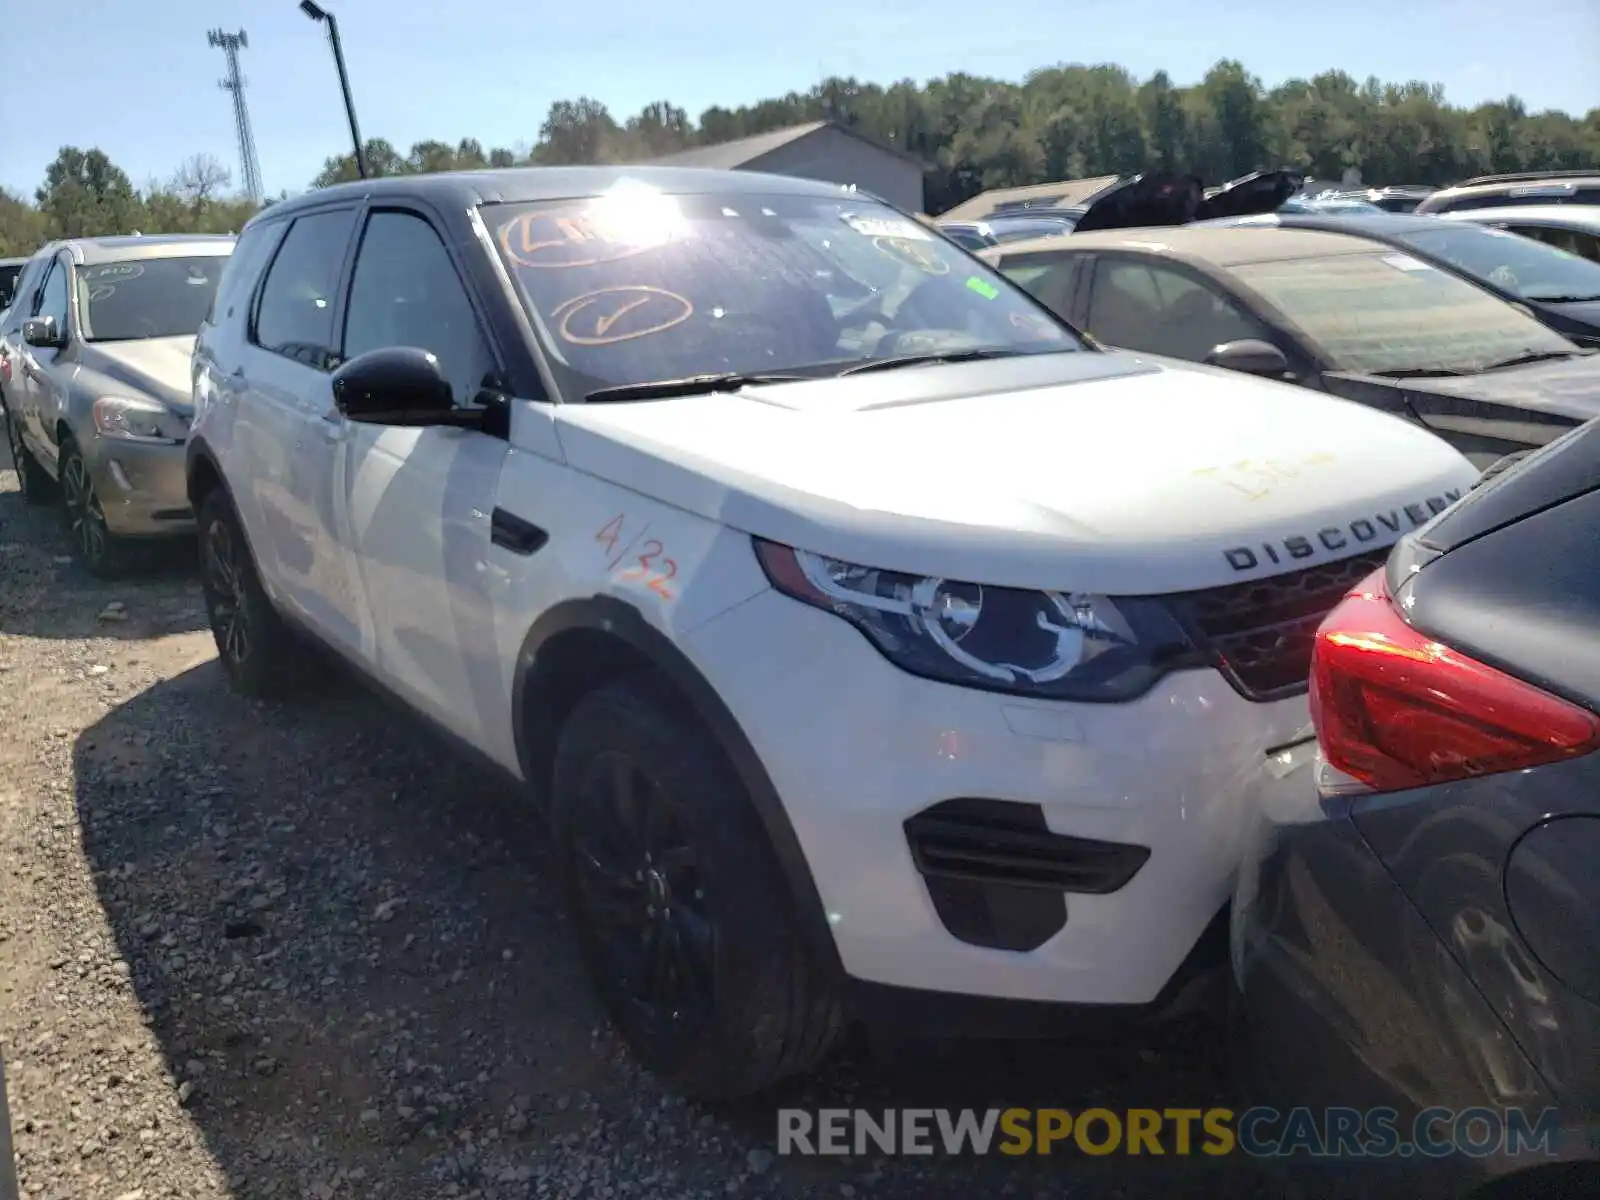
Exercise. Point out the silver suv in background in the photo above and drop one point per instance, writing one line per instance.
(94, 377)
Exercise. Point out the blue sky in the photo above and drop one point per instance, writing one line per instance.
(141, 80)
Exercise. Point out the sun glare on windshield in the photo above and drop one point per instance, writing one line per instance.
(634, 214)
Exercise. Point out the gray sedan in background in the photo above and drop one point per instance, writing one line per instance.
(94, 377)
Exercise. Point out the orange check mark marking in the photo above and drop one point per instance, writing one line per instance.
(603, 325)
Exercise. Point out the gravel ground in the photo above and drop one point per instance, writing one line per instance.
(301, 951)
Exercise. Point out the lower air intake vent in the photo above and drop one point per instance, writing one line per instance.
(998, 877)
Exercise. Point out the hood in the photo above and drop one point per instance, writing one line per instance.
(1165, 199)
(1568, 387)
(156, 367)
(1092, 471)
(1530, 404)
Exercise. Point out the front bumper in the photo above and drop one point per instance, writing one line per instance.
(854, 747)
(142, 487)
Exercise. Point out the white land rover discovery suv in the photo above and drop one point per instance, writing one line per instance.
(876, 645)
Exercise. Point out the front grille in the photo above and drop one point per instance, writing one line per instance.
(1259, 634)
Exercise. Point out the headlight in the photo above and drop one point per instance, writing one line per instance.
(133, 420)
(1059, 645)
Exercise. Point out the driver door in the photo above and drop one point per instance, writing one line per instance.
(418, 501)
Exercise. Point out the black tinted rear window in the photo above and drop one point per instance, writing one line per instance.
(1530, 195)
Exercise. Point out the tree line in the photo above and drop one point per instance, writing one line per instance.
(1062, 122)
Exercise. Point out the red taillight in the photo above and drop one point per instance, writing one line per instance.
(1395, 709)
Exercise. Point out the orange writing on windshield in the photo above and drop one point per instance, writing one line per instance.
(619, 314)
(547, 239)
(916, 254)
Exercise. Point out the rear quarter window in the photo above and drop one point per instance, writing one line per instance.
(252, 252)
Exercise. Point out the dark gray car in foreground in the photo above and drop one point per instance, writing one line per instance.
(8, 1161)
(1423, 932)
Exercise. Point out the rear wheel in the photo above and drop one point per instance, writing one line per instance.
(260, 653)
(35, 485)
(103, 552)
(689, 937)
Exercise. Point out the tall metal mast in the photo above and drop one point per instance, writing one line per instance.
(249, 165)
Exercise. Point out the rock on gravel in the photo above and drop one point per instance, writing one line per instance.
(300, 951)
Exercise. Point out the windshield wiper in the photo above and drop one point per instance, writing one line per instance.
(1558, 299)
(689, 385)
(1533, 356)
(1419, 373)
(918, 360)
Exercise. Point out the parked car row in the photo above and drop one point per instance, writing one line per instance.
(1482, 335)
(94, 375)
(882, 650)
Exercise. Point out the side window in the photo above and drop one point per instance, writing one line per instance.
(52, 298)
(1161, 310)
(405, 292)
(1048, 281)
(295, 313)
(22, 301)
(1584, 245)
(250, 254)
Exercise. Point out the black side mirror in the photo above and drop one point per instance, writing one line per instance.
(1251, 356)
(397, 385)
(42, 332)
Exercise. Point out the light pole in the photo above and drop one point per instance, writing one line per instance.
(317, 13)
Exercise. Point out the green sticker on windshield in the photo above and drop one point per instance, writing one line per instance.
(984, 288)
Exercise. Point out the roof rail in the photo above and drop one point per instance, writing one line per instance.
(1531, 177)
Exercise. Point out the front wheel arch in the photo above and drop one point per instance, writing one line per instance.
(202, 474)
(581, 644)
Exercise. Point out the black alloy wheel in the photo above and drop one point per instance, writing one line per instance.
(261, 655)
(33, 484)
(19, 453)
(636, 886)
(224, 591)
(96, 545)
(684, 922)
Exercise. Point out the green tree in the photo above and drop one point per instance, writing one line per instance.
(85, 194)
(1065, 121)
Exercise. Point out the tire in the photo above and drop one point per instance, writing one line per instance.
(104, 553)
(749, 1005)
(36, 485)
(263, 657)
(1501, 465)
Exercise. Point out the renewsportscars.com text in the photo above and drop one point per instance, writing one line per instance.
(1257, 1132)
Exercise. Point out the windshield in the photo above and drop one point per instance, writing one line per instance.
(1388, 312)
(147, 297)
(1520, 265)
(637, 286)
